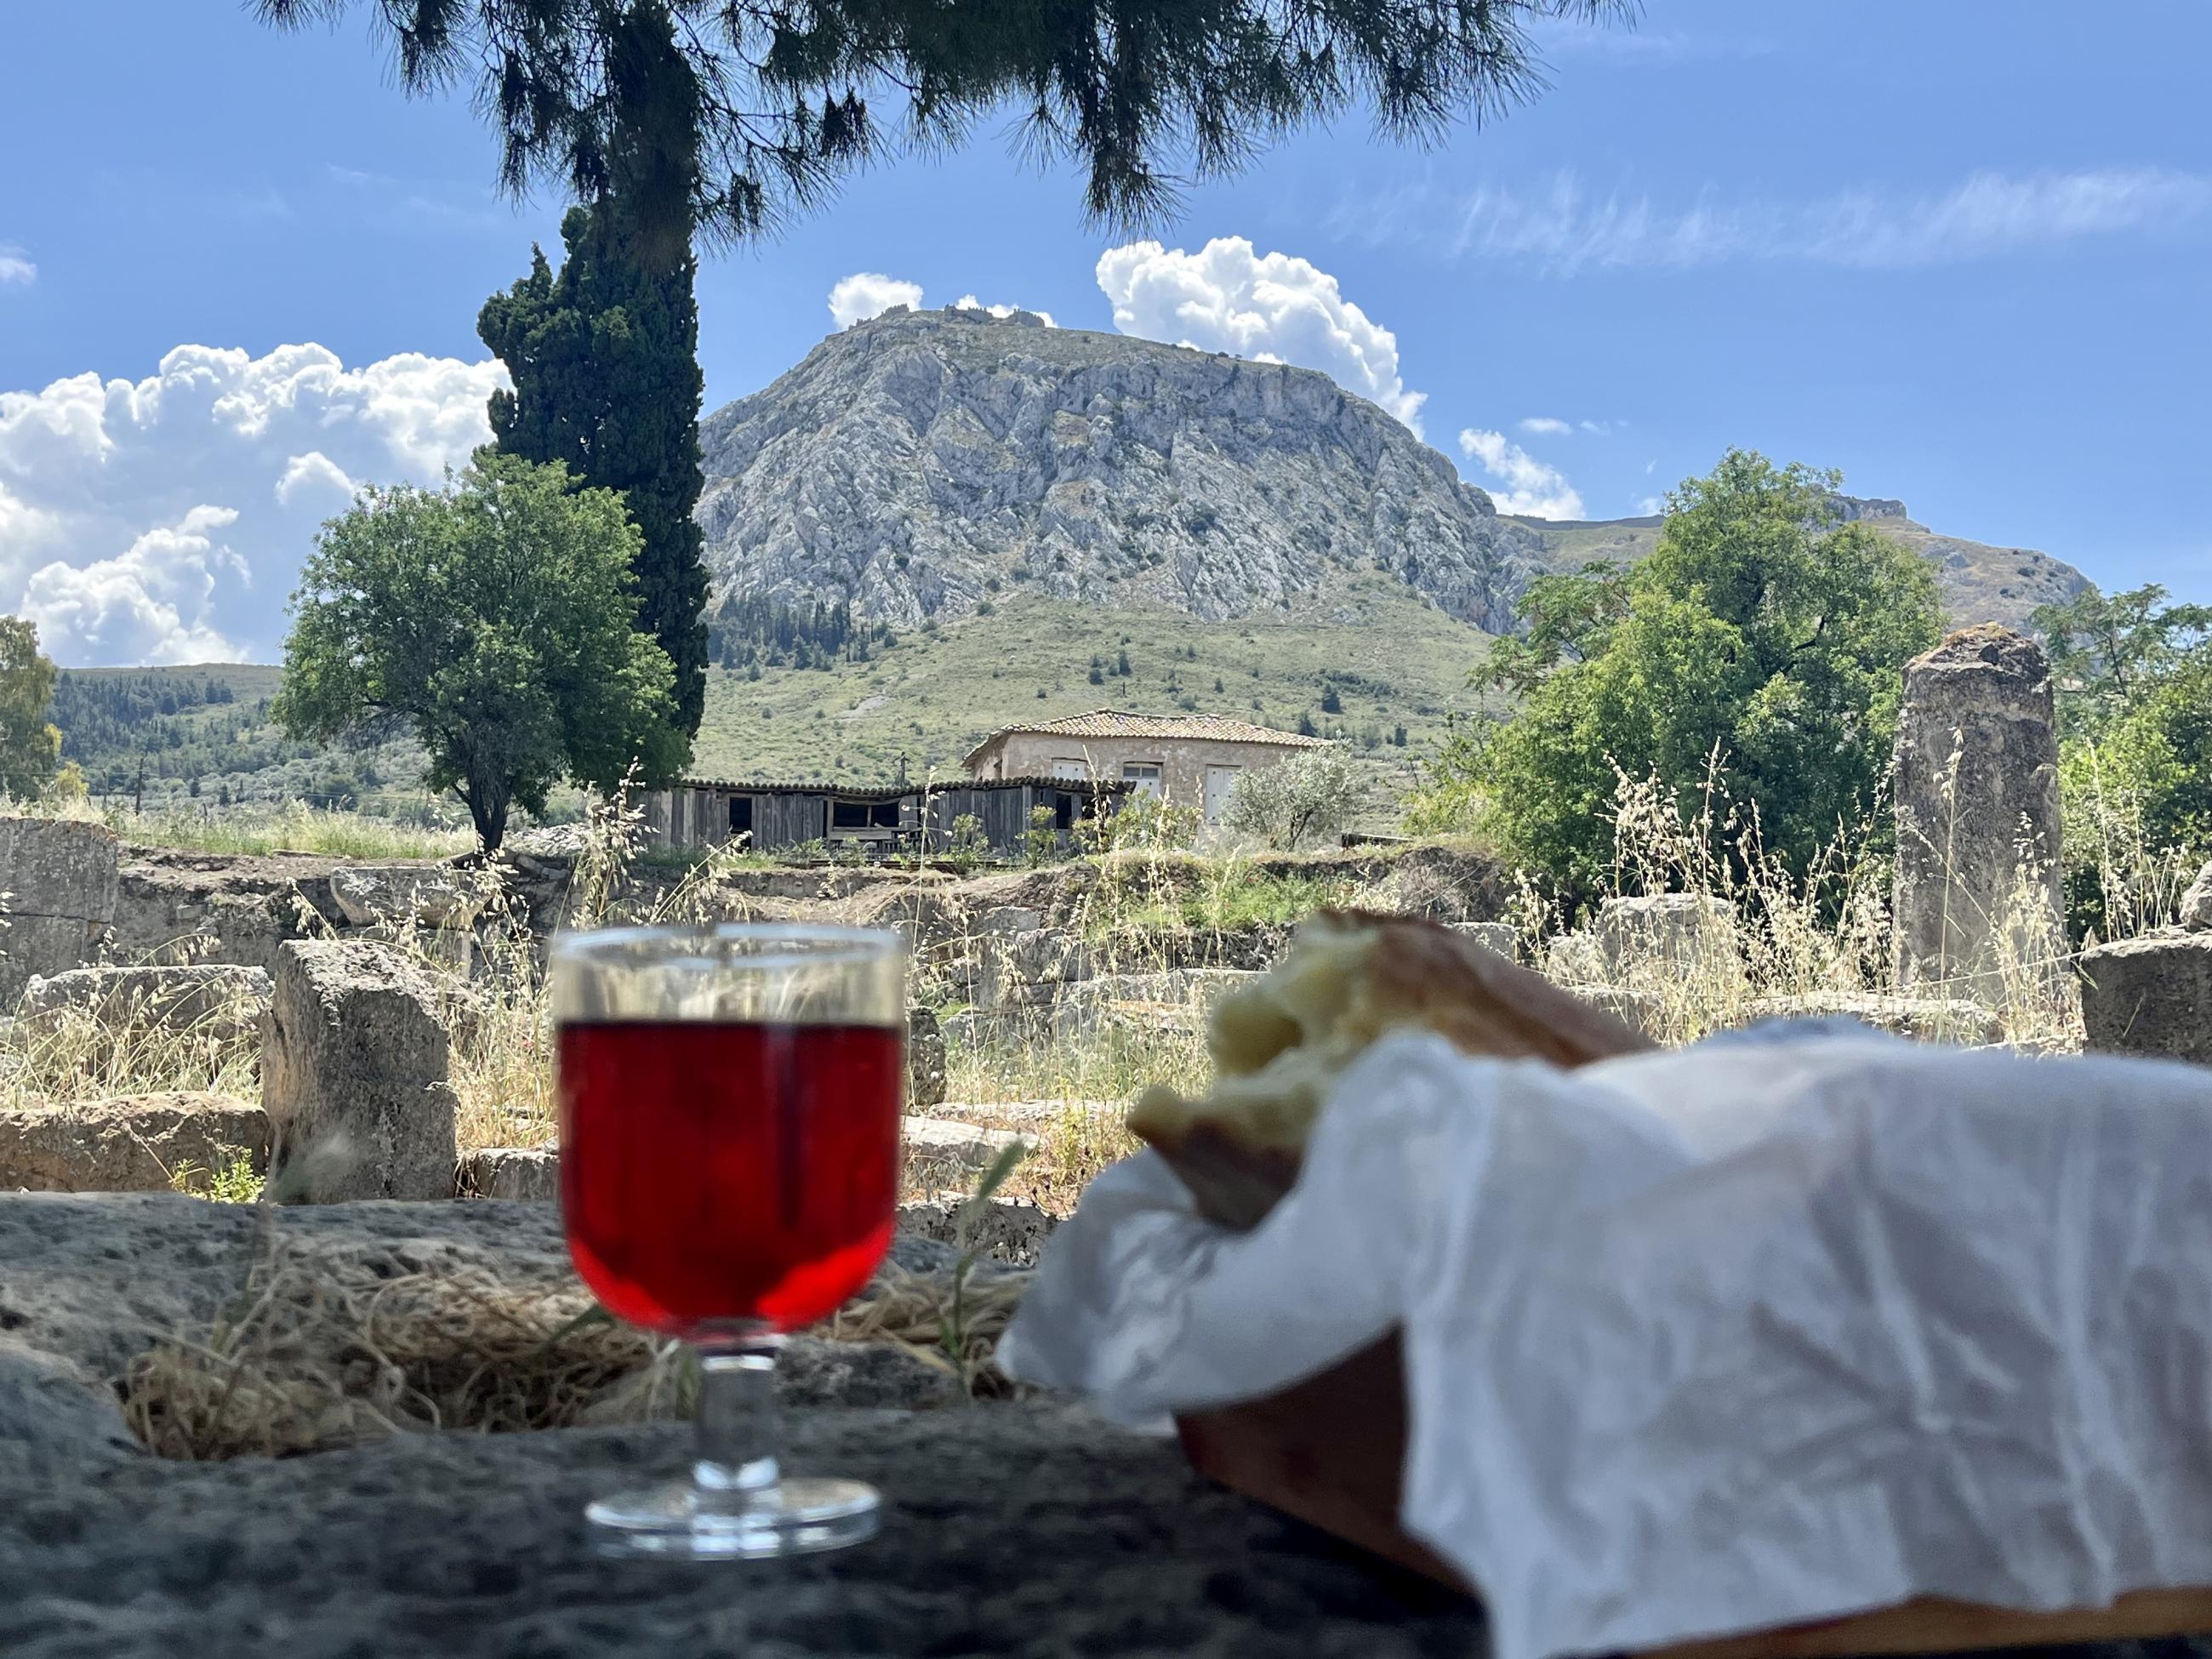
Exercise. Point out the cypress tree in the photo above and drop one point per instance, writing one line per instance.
(604, 354)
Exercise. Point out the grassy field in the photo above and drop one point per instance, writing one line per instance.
(1390, 660)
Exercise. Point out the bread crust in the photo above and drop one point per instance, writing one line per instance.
(1418, 974)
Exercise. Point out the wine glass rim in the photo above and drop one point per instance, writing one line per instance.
(862, 942)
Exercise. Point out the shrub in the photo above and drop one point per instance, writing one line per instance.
(1309, 794)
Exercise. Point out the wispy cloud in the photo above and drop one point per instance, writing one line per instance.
(15, 266)
(422, 204)
(1547, 426)
(1564, 37)
(1570, 228)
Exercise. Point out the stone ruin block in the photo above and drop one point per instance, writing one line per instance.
(59, 878)
(2197, 902)
(1666, 933)
(219, 1000)
(134, 1143)
(530, 1175)
(1574, 958)
(1027, 970)
(1977, 793)
(2150, 996)
(427, 895)
(355, 1074)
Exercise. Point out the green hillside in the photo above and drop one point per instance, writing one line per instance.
(202, 732)
(1384, 660)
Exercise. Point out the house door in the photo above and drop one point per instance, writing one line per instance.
(1219, 781)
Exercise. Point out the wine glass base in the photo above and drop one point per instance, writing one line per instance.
(680, 1520)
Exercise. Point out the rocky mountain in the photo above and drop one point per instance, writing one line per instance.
(921, 464)
(1978, 582)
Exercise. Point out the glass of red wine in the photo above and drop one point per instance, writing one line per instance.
(729, 1099)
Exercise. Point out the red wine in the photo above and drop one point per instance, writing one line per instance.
(716, 1173)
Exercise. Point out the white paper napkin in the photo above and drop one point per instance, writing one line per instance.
(1737, 1335)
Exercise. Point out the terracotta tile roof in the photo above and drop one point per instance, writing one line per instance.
(1119, 723)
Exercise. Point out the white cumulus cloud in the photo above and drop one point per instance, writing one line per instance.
(1272, 308)
(1530, 487)
(15, 266)
(149, 606)
(164, 519)
(868, 293)
(1548, 426)
(315, 473)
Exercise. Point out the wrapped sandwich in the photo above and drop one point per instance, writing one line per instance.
(1279, 1044)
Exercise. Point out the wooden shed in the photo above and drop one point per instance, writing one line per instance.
(883, 819)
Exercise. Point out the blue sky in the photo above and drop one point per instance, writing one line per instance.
(1958, 249)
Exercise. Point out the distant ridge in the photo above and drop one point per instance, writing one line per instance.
(1978, 582)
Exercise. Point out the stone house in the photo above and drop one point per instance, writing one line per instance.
(1189, 760)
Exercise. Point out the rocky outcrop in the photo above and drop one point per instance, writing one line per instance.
(1005, 1229)
(57, 883)
(1014, 1529)
(354, 1075)
(133, 1143)
(1977, 800)
(89, 1284)
(914, 464)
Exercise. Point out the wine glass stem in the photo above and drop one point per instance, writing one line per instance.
(740, 1433)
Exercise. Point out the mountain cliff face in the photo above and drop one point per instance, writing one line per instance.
(1978, 582)
(921, 464)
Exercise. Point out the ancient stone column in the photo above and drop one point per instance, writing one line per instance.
(1977, 790)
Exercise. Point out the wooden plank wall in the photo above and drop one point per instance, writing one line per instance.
(700, 817)
(787, 820)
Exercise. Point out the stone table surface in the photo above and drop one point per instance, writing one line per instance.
(1028, 1530)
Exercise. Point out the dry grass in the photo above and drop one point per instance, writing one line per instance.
(316, 1354)
(291, 826)
(80, 1054)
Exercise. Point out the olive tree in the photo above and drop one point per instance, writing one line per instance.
(492, 618)
(1313, 794)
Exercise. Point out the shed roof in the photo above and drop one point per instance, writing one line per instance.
(882, 791)
(1121, 723)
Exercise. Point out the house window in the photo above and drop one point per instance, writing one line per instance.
(1073, 771)
(1143, 777)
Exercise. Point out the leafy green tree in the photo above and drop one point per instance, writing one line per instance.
(2108, 652)
(604, 358)
(493, 619)
(1310, 794)
(1761, 631)
(1560, 617)
(759, 109)
(30, 745)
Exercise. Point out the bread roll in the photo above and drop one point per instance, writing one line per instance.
(1279, 1044)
